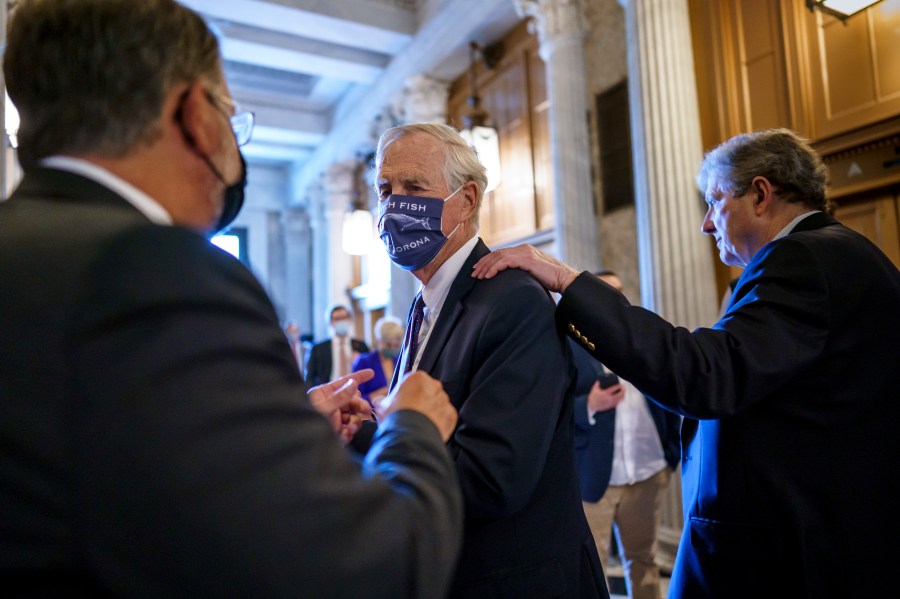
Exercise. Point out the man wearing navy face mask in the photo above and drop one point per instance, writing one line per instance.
(495, 347)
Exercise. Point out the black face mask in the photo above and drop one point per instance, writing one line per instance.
(233, 200)
(233, 196)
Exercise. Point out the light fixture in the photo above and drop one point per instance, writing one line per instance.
(841, 9)
(358, 228)
(356, 236)
(477, 134)
(11, 116)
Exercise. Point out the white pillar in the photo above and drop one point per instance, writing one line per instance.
(422, 100)
(296, 235)
(560, 28)
(332, 267)
(677, 276)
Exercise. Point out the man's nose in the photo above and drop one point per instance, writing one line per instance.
(707, 225)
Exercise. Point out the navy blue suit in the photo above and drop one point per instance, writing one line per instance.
(507, 369)
(594, 442)
(788, 478)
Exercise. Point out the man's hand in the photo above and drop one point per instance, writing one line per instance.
(550, 272)
(600, 400)
(422, 393)
(340, 402)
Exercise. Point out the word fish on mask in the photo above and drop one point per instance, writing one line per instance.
(410, 228)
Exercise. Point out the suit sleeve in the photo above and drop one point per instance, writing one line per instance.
(206, 470)
(775, 328)
(515, 401)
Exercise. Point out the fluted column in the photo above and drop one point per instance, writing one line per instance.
(677, 277)
(423, 99)
(296, 236)
(559, 25)
(332, 267)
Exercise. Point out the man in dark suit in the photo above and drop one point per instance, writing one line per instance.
(495, 347)
(787, 476)
(333, 357)
(157, 440)
(626, 448)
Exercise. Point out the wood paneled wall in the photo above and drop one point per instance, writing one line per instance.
(773, 63)
(514, 95)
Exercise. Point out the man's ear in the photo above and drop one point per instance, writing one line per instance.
(194, 114)
(763, 194)
(470, 199)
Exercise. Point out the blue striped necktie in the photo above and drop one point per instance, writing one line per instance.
(412, 332)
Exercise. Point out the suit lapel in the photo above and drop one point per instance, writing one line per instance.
(453, 308)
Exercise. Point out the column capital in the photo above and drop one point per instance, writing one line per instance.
(422, 100)
(338, 185)
(553, 19)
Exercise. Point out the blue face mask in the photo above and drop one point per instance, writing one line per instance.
(410, 227)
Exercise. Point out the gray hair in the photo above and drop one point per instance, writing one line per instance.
(387, 326)
(90, 76)
(461, 163)
(787, 160)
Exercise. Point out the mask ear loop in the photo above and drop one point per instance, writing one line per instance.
(450, 234)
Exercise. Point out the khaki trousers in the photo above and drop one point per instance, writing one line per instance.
(634, 509)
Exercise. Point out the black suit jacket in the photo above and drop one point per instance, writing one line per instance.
(156, 438)
(788, 479)
(594, 443)
(318, 366)
(496, 349)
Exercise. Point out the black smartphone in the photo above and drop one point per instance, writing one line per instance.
(607, 380)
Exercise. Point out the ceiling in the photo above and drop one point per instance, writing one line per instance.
(316, 72)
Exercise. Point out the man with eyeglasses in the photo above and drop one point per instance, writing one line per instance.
(157, 439)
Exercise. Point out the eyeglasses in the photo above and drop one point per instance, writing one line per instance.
(241, 122)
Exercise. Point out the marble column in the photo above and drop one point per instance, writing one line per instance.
(332, 267)
(677, 276)
(296, 236)
(422, 100)
(560, 28)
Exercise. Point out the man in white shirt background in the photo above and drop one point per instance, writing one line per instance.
(334, 356)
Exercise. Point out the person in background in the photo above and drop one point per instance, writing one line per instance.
(292, 332)
(626, 448)
(157, 437)
(388, 333)
(507, 369)
(789, 438)
(333, 357)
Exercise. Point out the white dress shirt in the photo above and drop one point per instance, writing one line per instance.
(435, 292)
(134, 196)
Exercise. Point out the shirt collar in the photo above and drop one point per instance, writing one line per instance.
(134, 196)
(790, 226)
(435, 292)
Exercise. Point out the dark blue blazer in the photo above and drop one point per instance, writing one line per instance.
(594, 442)
(318, 365)
(507, 368)
(788, 476)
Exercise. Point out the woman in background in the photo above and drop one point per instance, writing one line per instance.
(388, 341)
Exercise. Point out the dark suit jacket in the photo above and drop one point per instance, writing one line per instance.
(594, 443)
(318, 366)
(496, 349)
(156, 438)
(788, 480)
